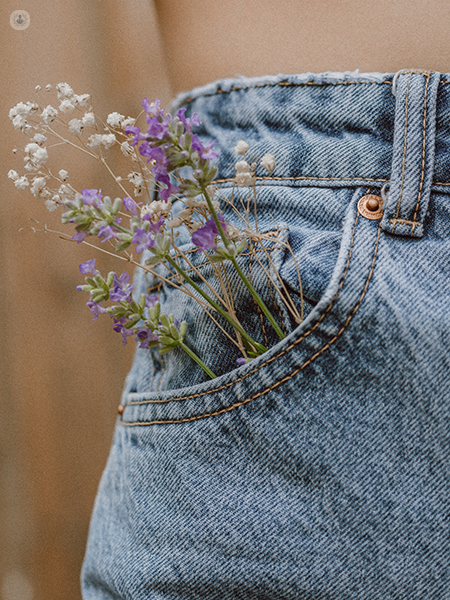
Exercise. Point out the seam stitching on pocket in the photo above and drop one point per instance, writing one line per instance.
(422, 174)
(302, 337)
(405, 145)
(281, 381)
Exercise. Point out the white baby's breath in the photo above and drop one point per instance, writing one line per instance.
(115, 119)
(21, 183)
(49, 114)
(88, 119)
(50, 205)
(108, 140)
(14, 175)
(127, 149)
(94, 140)
(67, 107)
(242, 166)
(38, 138)
(76, 126)
(48, 88)
(268, 162)
(63, 174)
(241, 147)
(128, 122)
(82, 99)
(245, 179)
(63, 90)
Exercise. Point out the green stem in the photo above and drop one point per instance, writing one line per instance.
(258, 300)
(256, 345)
(247, 283)
(197, 360)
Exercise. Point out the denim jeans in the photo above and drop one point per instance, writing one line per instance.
(319, 470)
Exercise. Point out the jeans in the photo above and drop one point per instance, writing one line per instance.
(320, 470)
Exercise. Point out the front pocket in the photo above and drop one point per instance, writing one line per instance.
(287, 359)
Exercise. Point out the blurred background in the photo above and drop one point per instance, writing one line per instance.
(61, 374)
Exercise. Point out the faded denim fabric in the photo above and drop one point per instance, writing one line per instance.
(319, 471)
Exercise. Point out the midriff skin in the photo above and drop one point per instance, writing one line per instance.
(210, 39)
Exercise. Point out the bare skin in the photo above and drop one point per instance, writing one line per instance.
(210, 39)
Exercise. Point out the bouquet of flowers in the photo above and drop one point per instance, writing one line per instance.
(169, 192)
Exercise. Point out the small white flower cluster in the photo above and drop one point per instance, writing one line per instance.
(19, 113)
(138, 181)
(245, 173)
(107, 140)
(35, 156)
(118, 121)
(70, 100)
(157, 208)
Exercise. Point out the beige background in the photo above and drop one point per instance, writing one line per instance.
(61, 374)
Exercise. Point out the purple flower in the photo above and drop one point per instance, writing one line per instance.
(92, 197)
(107, 232)
(241, 361)
(138, 136)
(165, 193)
(154, 110)
(150, 300)
(156, 154)
(157, 129)
(122, 280)
(142, 239)
(144, 336)
(95, 309)
(118, 326)
(204, 237)
(122, 288)
(204, 151)
(154, 227)
(188, 123)
(131, 206)
(88, 266)
(79, 236)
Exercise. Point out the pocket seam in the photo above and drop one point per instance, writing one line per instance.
(284, 379)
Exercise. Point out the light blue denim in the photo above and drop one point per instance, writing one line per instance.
(320, 471)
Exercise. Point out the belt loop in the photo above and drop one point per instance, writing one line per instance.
(413, 153)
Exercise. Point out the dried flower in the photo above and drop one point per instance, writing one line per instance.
(115, 119)
(241, 147)
(268, 162)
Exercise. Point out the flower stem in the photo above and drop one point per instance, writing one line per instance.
(247, 283)
(197, 360)
(258, 347)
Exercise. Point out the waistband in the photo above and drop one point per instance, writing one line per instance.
(324, 129)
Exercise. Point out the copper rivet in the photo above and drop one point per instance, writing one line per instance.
(372, 204)
(121, 409)
(370, 207)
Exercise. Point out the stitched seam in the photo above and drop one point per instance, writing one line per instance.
(303, 177)
(288, 377)
(230, 179)
(302, 337)
(281, 84)
(405, 221)
(405, 143)
(422, 174)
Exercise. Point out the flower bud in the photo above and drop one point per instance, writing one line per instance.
(268, 162)
(241, 147)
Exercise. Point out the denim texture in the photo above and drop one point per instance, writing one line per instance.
(319, 471)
